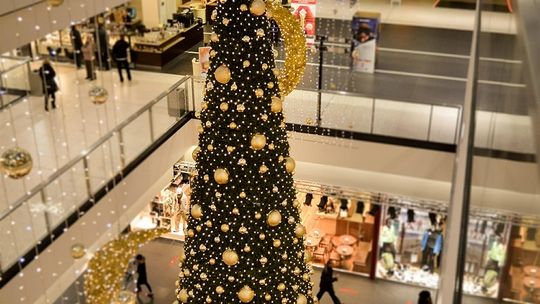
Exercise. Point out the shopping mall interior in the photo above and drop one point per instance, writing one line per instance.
(267, 151)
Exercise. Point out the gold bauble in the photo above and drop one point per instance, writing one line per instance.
(224, 106)
(242, 194)
(221, 176)
(290, 164)
(124, 297)
(258, 141)
(246, 63)
(274, 218)
(267, 297)
(233, 125)
(258, 7)
(16, 163)
(281, 287)
(276, 243)
(210, 147)
(230, 149)
(277, 105)
(190, 233)
(98, 95)
(196, 211)
(183, 296)
(247, 248)
(270, 85)
(257, 215)
(301, 299)
(224, 227)
(262, 236)
(223, 74)
(259, 93)
(55, 3)
(299, 230)
(246, 294)
(77, 251)
(214, 37)
(230, 257)
(195, 153)
(220, 290)
(263, 169)
(263, 260)
(212, 261)
(307, 256)
(243, 7)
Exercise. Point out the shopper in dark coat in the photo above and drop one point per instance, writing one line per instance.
(424, 297)
(142, 278)
(327, 283)
(76, 41)
(47, 74)
(120, 54)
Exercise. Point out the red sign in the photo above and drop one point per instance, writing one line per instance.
(306, 11)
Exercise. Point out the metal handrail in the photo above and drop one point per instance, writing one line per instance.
(87, 152)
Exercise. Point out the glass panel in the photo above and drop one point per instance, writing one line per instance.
(300, 107)
(103, 163)
(444, 123)
(345, 112)
(167, 111)
(136, 137)
(401, 119)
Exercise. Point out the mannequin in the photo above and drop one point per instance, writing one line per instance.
(170, 206)
(388, 247)
(432, 243)
(496, 256)
(182, 193)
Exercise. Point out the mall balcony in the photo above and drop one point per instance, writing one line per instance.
(435, 142)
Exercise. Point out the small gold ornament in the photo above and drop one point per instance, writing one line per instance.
(299, 230)
(196, 211)
(233, 125)
(307, 256)
(223, 74)
(277, 105)
(281, 287)
(246, 39)
(262, 236)
(276, 243)
(301, 299)
(247, 248)
(242, 230)
(210, 147)
(263, 169)
(225, 21)
(212, 261)
(230, 257)
(264, 66)
(259, 93)
(225, 228)
(242, 194)
(240, 108)
(246, 294)
(290, 164)
(230, 278)
(214, 15)
(183, 296)
(208, 299)
(206, 177)
(190, 233)
(258, 7)
(264, 117)
(221, 176)
(213, 53)
(267, 297)
(263, 260)
(235, 211)
(214, 37)
(246, 63)
(258, 215)
(16, 163)
(270, 85)
(258, 141)
(217, 239)
(234, 87)
(274, 218)
(200, 128)
(198, 228)
(243, 7)
(208, 224)
(271, 146)
(224, 106)
(98, 95)
(260, 33)
(242, 162)
(220, 290)
(77, 251)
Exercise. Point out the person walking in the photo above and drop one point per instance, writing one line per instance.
(120, 53)
(76, 41)
(142, 278)
(327, 283)
(89, 50)
(47, 74)
(424, 297)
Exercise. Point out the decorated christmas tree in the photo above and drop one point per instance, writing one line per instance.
(244, 239)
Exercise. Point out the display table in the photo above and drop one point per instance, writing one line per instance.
(158, 53)
(531, 271)
(345, 251)
(344, 240)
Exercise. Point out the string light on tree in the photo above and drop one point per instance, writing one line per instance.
(252, 250)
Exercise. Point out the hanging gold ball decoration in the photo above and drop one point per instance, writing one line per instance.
(274, 218)
(246, 294)
(276, 243)
(307, 256)
(267, 297)
(214, 37)
(220, 290)
(281, 287)
(259, 93)
(16, 163)
(258, 7)
(224, 106)
(183, 296)
(299, 231)
(196, 211)
(295, 48)
(77, 251)
(224, 227)
(258, 141)
(290, 164)
(230, 257)
(223, 74)
(125, 297)
(301, 299)
(98, 95)
(277, 105)
(55, 3)
(221, 176)
(195, 153)
(243, 7)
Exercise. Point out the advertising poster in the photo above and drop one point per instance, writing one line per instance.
(306, 12)
(365, 30)
(204, 58)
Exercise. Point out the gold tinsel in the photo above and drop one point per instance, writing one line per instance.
(295, 47)
(106, 269)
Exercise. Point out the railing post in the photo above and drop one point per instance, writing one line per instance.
(46, 212)
(429, 123)
(122, 149)
(86, 169)
(151, 120)
(373, 104)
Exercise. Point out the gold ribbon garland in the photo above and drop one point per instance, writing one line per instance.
(103, 278)
(295, 47)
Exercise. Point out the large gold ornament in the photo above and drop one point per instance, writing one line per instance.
(295, 48)
(230, 257)
(277, 105)
(299, 230)
(78, 251)
(258, 141)
(196, 211)
(195, 153)
(290, 164)
(183, 296)
(301, 299)
(246, 294)
(274, 218)
(221, 176)
(16, 163)
(223, 74)
(98, 95)
(257, 7)
(106, 269)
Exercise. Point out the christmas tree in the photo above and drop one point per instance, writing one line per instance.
(244, 239)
